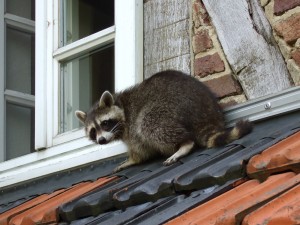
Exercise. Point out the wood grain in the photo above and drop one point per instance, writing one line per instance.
(250, 48)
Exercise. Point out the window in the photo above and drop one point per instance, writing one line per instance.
(86, 74)
(17, 78)
(96, 46)
(82, 47)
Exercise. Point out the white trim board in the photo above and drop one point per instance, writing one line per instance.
(54, 160)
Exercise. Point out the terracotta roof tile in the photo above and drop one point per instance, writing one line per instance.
(98, 201)
(230, 207)
(282, 156)
(7, 216)
(206, 187)
(46, 212)
(283, 210)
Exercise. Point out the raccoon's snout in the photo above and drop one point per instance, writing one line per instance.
(102, 141)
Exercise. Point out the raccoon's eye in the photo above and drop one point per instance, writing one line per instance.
(105, 123)
(93, 134)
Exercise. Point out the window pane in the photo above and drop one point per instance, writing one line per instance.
(83, 80)
(22, 8)
(85, 17)
(19, 61)
(19, 131)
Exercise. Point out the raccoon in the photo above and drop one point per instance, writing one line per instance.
(167, 115)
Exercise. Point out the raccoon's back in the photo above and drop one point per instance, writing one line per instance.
(182, 96)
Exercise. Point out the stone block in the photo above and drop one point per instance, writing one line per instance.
(289, 29)
(296, 56)
(201, 41)
(281, 6)
(224, 86)
(208, 65)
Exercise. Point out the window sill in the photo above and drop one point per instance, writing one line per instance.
(55, 159)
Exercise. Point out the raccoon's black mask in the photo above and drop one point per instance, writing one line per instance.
(104, 122)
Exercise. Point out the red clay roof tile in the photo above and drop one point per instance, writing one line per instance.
(283, 210)
(282, 156)
(46, 212)
(230, 207)
(7, 216)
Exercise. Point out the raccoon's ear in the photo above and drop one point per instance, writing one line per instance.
(81, 116)
(106, 100)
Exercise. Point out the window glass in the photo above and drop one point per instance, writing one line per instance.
(19, 61)
(83, 80)
(85, 17)
(19, 131)
(22, 8)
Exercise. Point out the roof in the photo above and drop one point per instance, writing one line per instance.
(253, 180)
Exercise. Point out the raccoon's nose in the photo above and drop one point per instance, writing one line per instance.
(102, 141)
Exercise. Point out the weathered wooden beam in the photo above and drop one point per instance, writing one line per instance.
(250, 48)
(166, 36)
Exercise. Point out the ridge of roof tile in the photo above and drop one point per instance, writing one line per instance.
(228, 165)
(284, 209)
(46, 212)
(181, 204)
(21, 193)
(7, 216)
(152, 194)
(230, 207)
(96, 202)
(280, 157)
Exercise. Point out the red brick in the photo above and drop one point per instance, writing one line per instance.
(200, 14)
(281, 6)
(208, 65)
(224, 86)
(201, 41)
(289, 29)
(296, 56)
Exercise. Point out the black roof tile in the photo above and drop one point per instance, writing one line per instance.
(57, 181)
(181, 204)
(153, 194)
(98, 201)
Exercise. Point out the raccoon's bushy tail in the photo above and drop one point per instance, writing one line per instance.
(221, 138)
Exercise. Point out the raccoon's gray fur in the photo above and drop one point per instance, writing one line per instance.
(165, 115)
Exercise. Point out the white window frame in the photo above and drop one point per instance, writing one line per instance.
(6, 95)
(57, 152)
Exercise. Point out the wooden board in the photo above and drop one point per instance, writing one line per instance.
(166, 36)
(249, 46)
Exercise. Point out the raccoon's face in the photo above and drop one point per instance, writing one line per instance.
(104, 122)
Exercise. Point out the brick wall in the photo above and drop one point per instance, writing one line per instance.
(284, 17)
(179, 35)
(209, 63)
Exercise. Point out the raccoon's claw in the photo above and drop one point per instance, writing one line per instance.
(117, 169)
(183, 150)
(124, 165)
(170, 161)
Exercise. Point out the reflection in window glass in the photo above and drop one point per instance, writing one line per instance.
(83, 80)
(19, 131)
(85, 17)
(19, 61)
(22, 8)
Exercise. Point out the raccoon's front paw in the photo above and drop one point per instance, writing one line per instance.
(127, 163)
(117, 169)
(171, 160)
